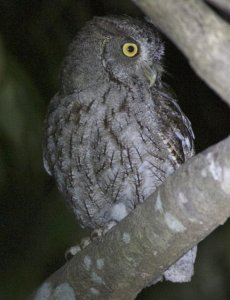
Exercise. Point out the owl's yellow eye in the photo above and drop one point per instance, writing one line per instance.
(130, 49)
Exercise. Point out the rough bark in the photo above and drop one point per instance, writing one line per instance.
(223, 5)
(182, 212)
(200, 34)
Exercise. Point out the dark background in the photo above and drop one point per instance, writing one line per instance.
(35, 225)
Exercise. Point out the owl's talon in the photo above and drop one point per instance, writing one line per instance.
(85, 242)
(72, 251)
(109, 226)
(96, 233)
(99, 232)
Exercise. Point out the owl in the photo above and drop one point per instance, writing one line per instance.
(114, 131)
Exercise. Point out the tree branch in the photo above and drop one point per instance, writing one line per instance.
(223, 5)
(182, 212)
(200, 34)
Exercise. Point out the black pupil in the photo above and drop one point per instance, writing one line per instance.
(130, 48)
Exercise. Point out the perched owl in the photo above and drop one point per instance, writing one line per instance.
(114, 132)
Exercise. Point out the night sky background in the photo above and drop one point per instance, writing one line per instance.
(35, 225)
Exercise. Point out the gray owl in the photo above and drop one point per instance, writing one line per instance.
(114, 132)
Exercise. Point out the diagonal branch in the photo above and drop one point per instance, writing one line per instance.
(182, 212)
(200, 34)
(223, 5)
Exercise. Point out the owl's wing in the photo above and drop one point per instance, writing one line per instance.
(62, 118)
(48, 144)
(176, 132)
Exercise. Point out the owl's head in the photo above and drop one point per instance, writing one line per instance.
(122, 48)
(132, 49)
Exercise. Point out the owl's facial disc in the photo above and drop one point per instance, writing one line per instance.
(132, 55)
(127, 59)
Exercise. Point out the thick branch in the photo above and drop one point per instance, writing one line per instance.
(200, 34)
(223, 5)
(182, 212)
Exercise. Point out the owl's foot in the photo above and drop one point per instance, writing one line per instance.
(72, 251)
(96, 233)
(99, 232)
(109, 226)
(85, 242)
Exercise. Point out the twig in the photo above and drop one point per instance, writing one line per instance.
(223, 5)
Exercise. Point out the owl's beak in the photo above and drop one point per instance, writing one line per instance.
(150, 73)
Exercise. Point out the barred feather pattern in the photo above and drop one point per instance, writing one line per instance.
(114, 146)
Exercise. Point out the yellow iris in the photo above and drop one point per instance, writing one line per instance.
(130, 49)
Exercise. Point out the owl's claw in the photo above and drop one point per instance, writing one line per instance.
(109, 226)
(72, 251)
(96, 233)
(85, 242)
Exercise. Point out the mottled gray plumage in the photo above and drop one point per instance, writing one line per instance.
(114, 132)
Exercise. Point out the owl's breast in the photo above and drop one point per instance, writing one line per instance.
(114, 147)
(129, 158)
